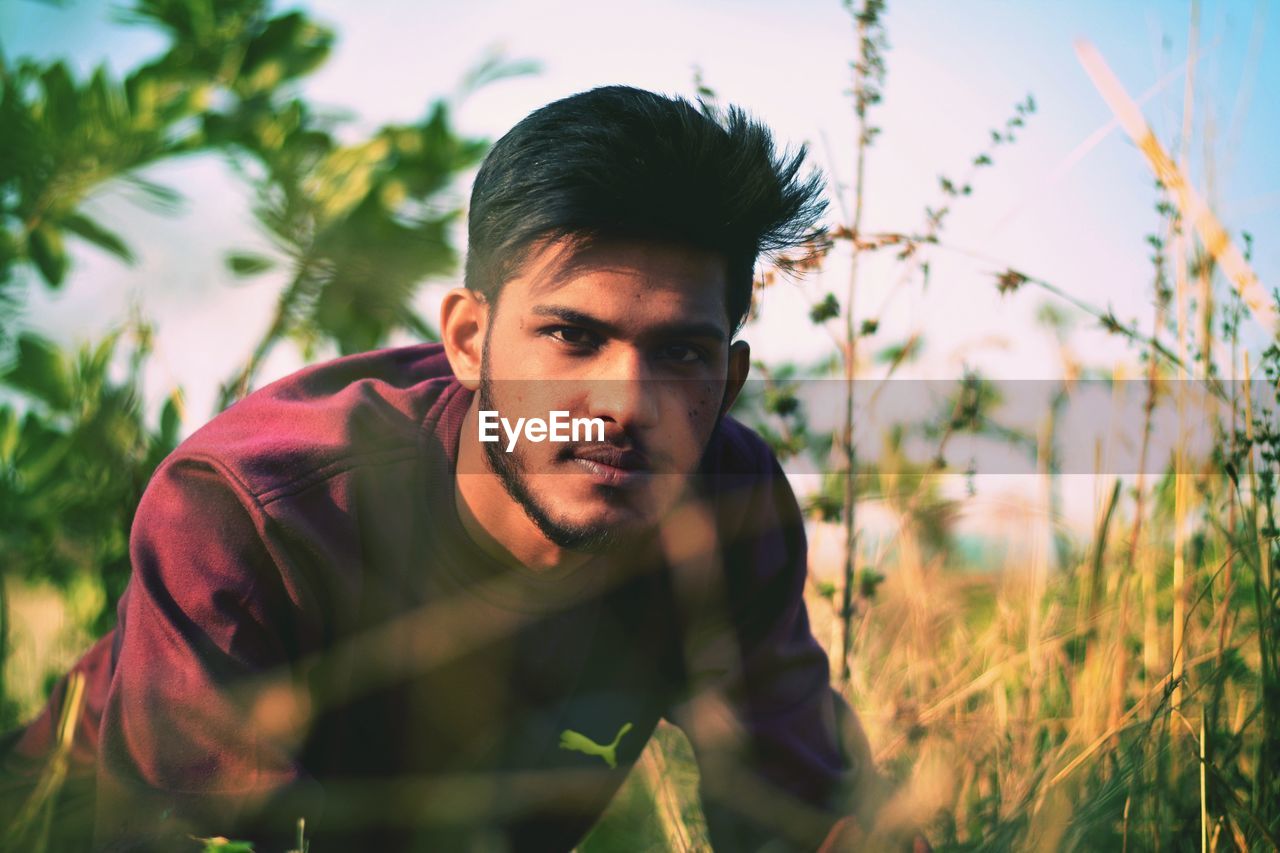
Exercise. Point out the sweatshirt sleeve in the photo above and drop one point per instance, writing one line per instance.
(202, 716)
(781, 755)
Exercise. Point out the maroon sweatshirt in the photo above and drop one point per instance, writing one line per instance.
(309, 632)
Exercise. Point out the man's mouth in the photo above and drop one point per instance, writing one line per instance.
(612, 466)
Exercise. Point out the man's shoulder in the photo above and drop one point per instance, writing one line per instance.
(745, 480)
(762, 546)
(375, 407)
(739, 451)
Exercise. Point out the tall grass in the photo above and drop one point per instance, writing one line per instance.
(1120, 695)
(1125, 696)
(1027, 709)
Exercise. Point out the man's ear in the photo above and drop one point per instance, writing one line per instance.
(739, 367)
(464, 316)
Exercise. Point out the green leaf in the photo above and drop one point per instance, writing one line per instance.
(419, 327)
(825, 506)
(171, 418)
(86, 229)
(246, 264)
(869, 581)
(9, 433)
(152, 196)
(905, 351)
(40, 450)
(345, 177)
(825, 310)
(42, 371)
(290, 46)
(781, 401)
(61, 101)
(44, 246)
(495, 67)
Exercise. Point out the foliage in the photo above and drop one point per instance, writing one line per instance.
(360, 225)
(76, 450)
(1130, 699)
(76, 454)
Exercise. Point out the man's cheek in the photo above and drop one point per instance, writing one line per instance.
(686, 435)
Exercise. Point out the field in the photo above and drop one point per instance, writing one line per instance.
(1105, 678)
(1073, 742)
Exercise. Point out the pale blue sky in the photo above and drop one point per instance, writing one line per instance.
(955, 70)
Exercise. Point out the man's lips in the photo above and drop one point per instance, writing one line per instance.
(612, 466)
(614, 457)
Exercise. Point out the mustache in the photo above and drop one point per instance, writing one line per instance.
(622, 449)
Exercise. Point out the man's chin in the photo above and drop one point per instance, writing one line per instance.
(591, 519)
(595, 532)
(576, 512)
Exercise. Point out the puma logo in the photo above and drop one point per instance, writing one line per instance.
(578, 742)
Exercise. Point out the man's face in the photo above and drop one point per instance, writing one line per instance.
(634, 334)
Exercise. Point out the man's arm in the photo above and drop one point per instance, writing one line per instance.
(782, 755)
(201, 714)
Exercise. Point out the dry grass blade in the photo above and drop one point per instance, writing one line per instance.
(31, 828)
(1111, 731)
(669, 817)
(1192, 206)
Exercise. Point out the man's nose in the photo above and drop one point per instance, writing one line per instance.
(623, 393)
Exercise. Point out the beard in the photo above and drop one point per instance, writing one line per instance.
(510, 469)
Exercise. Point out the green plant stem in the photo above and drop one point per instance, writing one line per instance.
(850, 344)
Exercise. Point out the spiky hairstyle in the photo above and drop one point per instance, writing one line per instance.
(623, 163)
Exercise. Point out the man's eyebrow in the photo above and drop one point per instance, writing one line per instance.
(696, 329)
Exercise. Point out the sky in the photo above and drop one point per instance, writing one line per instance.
(1055, 204)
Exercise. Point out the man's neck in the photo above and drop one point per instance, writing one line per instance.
(493, 519)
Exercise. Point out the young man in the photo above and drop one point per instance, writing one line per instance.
(350, 604)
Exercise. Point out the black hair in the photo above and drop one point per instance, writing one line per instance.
(623, 163)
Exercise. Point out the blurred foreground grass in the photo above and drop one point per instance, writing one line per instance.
(1072, 743)
(994, 743)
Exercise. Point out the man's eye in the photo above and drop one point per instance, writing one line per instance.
(680, 353)
(574, 336)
